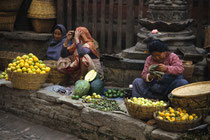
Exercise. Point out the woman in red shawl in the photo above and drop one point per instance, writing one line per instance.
(82, 56)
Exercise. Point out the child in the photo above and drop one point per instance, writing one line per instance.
(161, 74)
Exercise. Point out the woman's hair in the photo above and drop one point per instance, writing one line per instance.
(58, 27)
(157, 45)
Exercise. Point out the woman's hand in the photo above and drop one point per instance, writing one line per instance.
(162, 68)
(77, 35)
(151, 77)
(69, 35)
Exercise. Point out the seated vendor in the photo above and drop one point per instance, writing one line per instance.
(56, 43)
(161, 74)
(80, 57)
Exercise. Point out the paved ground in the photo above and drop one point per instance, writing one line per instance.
(16, 128)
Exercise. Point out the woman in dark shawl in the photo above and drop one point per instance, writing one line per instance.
(58, 38)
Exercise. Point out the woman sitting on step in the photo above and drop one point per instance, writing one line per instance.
(80, 57)
(56, 43)
(161, 74)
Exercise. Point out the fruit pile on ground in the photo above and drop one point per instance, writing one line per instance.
(147, 102)
(88, 99)
(177, 115)
(105, 105)
(4, 75)
(28, 64)
(114, 93)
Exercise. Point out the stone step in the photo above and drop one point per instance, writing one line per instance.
(60, 112)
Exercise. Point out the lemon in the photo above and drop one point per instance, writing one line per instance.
(10, 64)
(31, 72)
(38, 70)
(47, 69)
(14, 64)
(9, 69)
(26, 65)
(22, 64)
(23, 69)
(19, 70)
(190, 117)
(31, 59)
(35, 59)
(42, 72)
(31, 66)
(30, 62)
(37, 64)
(18, 58)
(29, 69)
(18, 66)
(30, 55)
(13, 68)
(36, 67)
(22, 61)
(17, 62)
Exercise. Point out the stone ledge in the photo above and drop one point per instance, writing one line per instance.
(23, 35)
(72, 116)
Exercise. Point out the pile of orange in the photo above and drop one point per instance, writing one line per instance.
(176, 115)
(28, 64)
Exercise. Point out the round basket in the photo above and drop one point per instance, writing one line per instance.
(43, 25)
(193, 97)
(6, 57)
(55, 76)
(176, 126)
(42, 9)
(10, 5)
(27, 81)
(141, 112)
(7, 21)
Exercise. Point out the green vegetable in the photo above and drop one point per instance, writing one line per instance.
(97, 86)
(81, 88)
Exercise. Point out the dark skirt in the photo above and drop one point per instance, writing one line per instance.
(157, 89)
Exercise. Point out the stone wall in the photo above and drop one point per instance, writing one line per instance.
(72, 116)
(26, 42)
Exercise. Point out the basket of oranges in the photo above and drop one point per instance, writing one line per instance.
(142, 108)
(27, 72)
(176, 120)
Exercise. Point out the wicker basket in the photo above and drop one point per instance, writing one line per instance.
(177, 126)
(55, 76)
(7, 21)
(6, 57)
(193, 97)
(10, 5)
(42, 9)
(43, 25)
(27, 81)
(141, 112)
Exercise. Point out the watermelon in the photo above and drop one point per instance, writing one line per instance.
(96, 86)
(81, 88)
(91, 75)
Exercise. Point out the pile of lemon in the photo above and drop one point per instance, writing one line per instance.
(147, 102)
(176, 115)
(28, 64)
(4, 75)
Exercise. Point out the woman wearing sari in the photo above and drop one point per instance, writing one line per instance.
(56, 43)
(80, 57)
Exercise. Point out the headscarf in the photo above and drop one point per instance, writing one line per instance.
(54, 50)
(86, 38)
